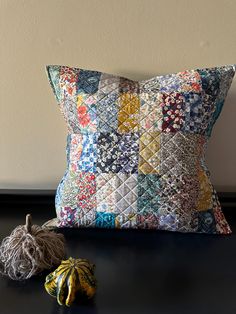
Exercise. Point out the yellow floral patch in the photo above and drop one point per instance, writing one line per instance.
(205, 194)
(129, 105)
(149, 156)
(80, 100)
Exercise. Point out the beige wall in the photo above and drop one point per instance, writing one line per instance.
(134, 38)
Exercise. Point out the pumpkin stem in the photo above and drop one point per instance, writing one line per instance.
(28, 223)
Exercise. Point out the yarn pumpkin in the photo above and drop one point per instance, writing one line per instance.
(29, 250)
(74, 278)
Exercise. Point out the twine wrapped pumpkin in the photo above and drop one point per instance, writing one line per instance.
(29, 250)
(72, 280)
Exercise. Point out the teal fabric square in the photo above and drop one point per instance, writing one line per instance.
(105, 220)
(206, 222)
(148, 193)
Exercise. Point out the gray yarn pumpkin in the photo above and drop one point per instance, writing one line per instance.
(29, 250)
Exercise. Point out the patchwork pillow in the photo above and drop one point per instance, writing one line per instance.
(136, 149)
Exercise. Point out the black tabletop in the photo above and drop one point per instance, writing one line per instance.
(137, 272)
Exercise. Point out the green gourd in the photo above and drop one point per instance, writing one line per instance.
(73, 279)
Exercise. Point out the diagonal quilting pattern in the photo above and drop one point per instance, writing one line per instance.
(173, 109)
(126, 199)
(117, 193)
(117, 152)
(149, 146)
(178, 197)
(150, 112)
(148, 194)
(105, 192)
(107, 111)
(88, 81)
(107, 103)
(128, 115)
(174, 148)
(179, 162)
(178, 153)
(108, 152)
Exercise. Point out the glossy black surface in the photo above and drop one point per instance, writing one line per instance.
(137, 271)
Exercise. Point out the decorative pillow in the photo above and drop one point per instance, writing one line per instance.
(136, 149)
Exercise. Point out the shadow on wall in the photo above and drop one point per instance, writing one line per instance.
(222, 145)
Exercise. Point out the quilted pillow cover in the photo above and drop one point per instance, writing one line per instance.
(136, 149)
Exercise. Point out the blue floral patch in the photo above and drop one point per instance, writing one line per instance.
(118, 152)
(107, 110)
(210, 81)
(168, 222)
(206, 222)
(88, 81)
(129, 148)
(169, 83)
(88, 157)
(105, 220)
(193, 112)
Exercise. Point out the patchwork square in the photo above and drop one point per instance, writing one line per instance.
(77, 189)
(148, 194)
(129, 152)
(128, 115)
(179, 153)
(147, 221)
(206, 222)
(107, 111)
(117, 152)
(88, 157)
(107, 103)
(136, 149)
(150, 112)
(88, 81)
(173, 110)
(105, 195)
(177, 209)
(149, 156)
(105, 220)
(108, 152)
(117, 194)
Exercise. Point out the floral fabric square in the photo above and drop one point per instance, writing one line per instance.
(129, 148)
(128, 114)
(117, 152)
(105, 194)
(194, 113)
(136, 149)
(150, 112)
(148, 194)
(179, 153)
(77, 189)
(105, 220)
(108, 152)
(117, 194)
(88, 157)
(149, 155)
(173, 110)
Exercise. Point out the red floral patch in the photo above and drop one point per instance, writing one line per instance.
(87, 189)
(173, 112)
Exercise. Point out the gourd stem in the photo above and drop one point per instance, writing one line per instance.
(28, 223)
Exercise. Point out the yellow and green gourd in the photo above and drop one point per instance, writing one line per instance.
(72, 279)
